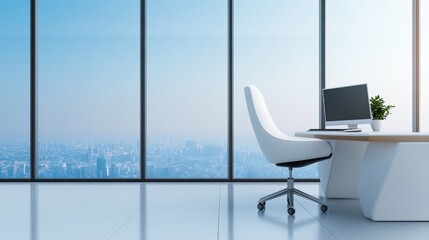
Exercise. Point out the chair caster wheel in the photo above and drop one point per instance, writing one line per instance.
(291, 211)
(324, 208)
(261, 206)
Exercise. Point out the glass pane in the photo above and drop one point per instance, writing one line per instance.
(276, 48)
(89, 81)
(424, 65)
(15, 89)
(362, 47)
(186, 89)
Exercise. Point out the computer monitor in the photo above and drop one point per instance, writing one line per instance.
(347, 105)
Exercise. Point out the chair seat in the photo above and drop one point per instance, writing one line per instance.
(302, 163)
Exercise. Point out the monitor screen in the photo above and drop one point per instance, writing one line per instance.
(344, 104)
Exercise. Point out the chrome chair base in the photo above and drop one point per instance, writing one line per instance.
(290, 191)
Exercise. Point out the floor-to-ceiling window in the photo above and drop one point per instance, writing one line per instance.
(424, 65)
(14, 89)
(276, 48)
(88, 89)
(186, 56)
(370, 41)
(89, 80)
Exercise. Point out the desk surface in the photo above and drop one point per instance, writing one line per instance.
(367, 136)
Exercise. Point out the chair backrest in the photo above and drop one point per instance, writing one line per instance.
(263, 124)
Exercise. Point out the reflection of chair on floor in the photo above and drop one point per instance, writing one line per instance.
(283, 150)
(292, 226)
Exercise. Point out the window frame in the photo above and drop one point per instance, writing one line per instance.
(230, 95)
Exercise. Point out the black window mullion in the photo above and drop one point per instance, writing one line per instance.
(33, 89)
(230, 90)
(143, 90)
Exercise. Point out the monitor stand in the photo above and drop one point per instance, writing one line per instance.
(353, 128)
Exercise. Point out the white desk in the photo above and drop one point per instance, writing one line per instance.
(388, 172)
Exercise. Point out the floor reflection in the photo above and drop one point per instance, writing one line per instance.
(230, 211)
(239, 212)
(288, 221)
(34, 211)
(137, 231)
(143, 212)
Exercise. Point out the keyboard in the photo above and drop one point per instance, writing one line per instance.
(328, 129)
(335, 130)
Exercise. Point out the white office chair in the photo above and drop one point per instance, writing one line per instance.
(282, 150)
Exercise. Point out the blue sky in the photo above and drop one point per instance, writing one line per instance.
(89, 63)
(89, 75)
(187, 69)
(14, 68)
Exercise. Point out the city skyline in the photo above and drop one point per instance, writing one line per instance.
(168, 158)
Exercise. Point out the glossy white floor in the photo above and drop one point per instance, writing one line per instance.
(44, 211)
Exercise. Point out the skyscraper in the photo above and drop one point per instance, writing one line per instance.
(101, 167)
(113, 171)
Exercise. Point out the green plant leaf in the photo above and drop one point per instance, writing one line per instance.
(379, 109)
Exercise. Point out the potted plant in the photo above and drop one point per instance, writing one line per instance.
(380, 111)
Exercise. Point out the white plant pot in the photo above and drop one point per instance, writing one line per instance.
(376, 125)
